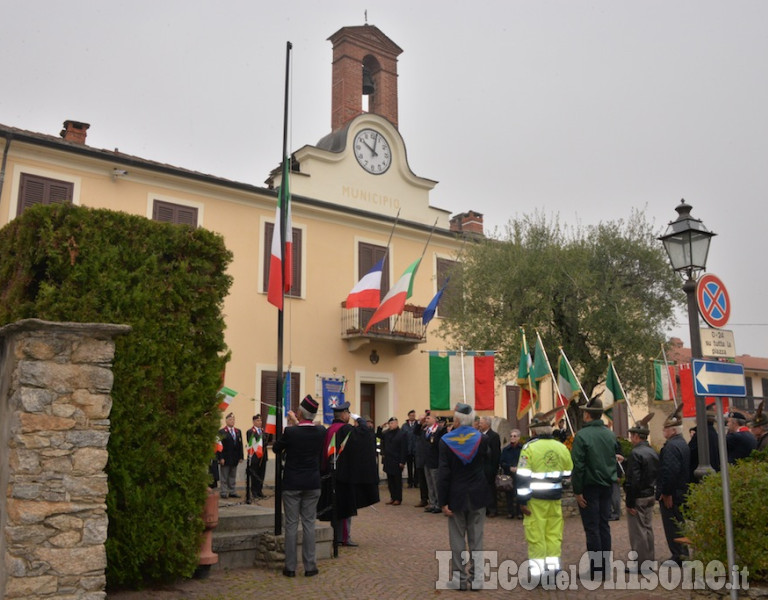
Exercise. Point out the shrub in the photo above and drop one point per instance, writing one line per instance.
(168, 282)
(705, 525)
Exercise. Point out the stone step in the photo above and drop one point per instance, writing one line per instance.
(237, 538)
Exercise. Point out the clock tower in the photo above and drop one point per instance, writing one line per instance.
(364, 63)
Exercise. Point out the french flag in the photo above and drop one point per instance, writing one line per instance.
(367, 291)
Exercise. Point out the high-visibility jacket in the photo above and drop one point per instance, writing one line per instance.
(544, 463)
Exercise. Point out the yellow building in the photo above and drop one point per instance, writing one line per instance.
(347, 191)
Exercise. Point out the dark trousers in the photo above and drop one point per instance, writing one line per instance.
(672, 519)
(595, 520)
(421, 481)
(513, 508)
(395, 485)
(257, 469)
(491, 508)
(410, 463)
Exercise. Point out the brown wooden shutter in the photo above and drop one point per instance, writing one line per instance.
(269, 391)
(444, 269)
(34, 189)
(178, 214)
(367, 256)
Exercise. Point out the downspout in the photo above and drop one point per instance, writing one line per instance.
(8, 138)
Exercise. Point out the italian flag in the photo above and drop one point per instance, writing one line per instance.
(567, 385)
(227, 396)
(446, 386)
(219, 446)
(271, 425)
(256, 446)
(279, 272)
(332, 446)
(527, 391)
(394, 301)
(613, 391)
(664, 381)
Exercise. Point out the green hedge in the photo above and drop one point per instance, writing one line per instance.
(705, 525)
(168, 282)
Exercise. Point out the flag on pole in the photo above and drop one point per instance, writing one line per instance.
(219, 446)
(447, 387)
(331, 446)
(429, 312)
(256, 446)
(540, 369)
(613, 390)
(527, 391)
(286, 397)
(367, 291)
(664, 381)
(279, 271)
(226, 396)
(271, 424)
(394, 302)
(344, 443)
(568, 387)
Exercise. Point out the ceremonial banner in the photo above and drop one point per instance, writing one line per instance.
(333, 395)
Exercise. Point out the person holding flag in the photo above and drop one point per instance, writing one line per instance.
(257, 441)
(302, 445)
(350, 472)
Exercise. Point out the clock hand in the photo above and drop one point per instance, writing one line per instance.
(373, 152)
(375, 141)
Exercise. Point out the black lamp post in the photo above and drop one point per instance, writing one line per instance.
(687, 244)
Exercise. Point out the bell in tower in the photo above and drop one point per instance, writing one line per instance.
(368, 87)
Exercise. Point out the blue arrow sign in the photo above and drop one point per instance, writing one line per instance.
(718, 379)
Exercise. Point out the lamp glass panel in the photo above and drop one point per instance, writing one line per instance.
(699, 249)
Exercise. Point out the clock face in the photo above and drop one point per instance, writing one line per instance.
(372, 151)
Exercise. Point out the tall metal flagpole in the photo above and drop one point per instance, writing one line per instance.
(282, 233)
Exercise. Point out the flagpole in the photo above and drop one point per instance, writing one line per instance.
(554, 383)
(666, 366)
(282, 234)
(463, 377)
(623, 393)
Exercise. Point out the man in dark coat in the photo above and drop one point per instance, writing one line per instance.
(492, 463)
(510, 456)
(395, 455)
(672, 483)
(302, 444)
(354, 472)
(230, 455)
(408, 428)
(759, 426)
(739, 441)
(463, 494)
(257, 465)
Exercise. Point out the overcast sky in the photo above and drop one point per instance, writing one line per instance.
(581, 109)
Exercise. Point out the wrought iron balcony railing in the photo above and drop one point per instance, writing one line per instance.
(403, 330)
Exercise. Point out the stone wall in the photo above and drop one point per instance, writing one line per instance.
(55, 384)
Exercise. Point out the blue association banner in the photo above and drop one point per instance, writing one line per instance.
(333, 395)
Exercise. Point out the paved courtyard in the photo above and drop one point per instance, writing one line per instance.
(396, 559)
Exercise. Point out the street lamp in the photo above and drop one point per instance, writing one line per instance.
(687, 244)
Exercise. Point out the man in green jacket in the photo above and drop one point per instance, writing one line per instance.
(594, 473)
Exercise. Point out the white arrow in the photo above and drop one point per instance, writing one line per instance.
(708, 378)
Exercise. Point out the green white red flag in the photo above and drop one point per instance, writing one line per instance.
(280, 271)
(455, 378)
(394, 302)
(664, 381)
(271, 425)
(527, 390)
(568, 387)
(225, 395)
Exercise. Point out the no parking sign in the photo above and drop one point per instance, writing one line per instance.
(714, 303)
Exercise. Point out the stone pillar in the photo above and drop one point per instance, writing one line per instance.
(55, 384)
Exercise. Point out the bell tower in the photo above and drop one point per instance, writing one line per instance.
(364, 63)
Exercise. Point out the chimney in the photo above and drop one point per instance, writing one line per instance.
(74, 131)
(470, 222)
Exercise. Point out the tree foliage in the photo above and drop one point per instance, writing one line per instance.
(598, 290)
(168, 282)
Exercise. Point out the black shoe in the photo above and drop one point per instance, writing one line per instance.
(350, 544)
(311, 573)
(234, 495)
(436, 510)
(288, 573)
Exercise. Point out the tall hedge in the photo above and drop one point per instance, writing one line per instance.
(168, 282)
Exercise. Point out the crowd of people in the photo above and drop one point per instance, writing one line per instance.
(329, 474)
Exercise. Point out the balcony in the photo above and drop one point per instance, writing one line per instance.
(404, 331)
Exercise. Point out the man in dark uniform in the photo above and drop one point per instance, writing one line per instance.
(257, 465)
(463, 493)
(356, 476)
(672, 483)
(395, 445)
(492, 464)
(230, 455)
(302, 443)
(739, 441)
